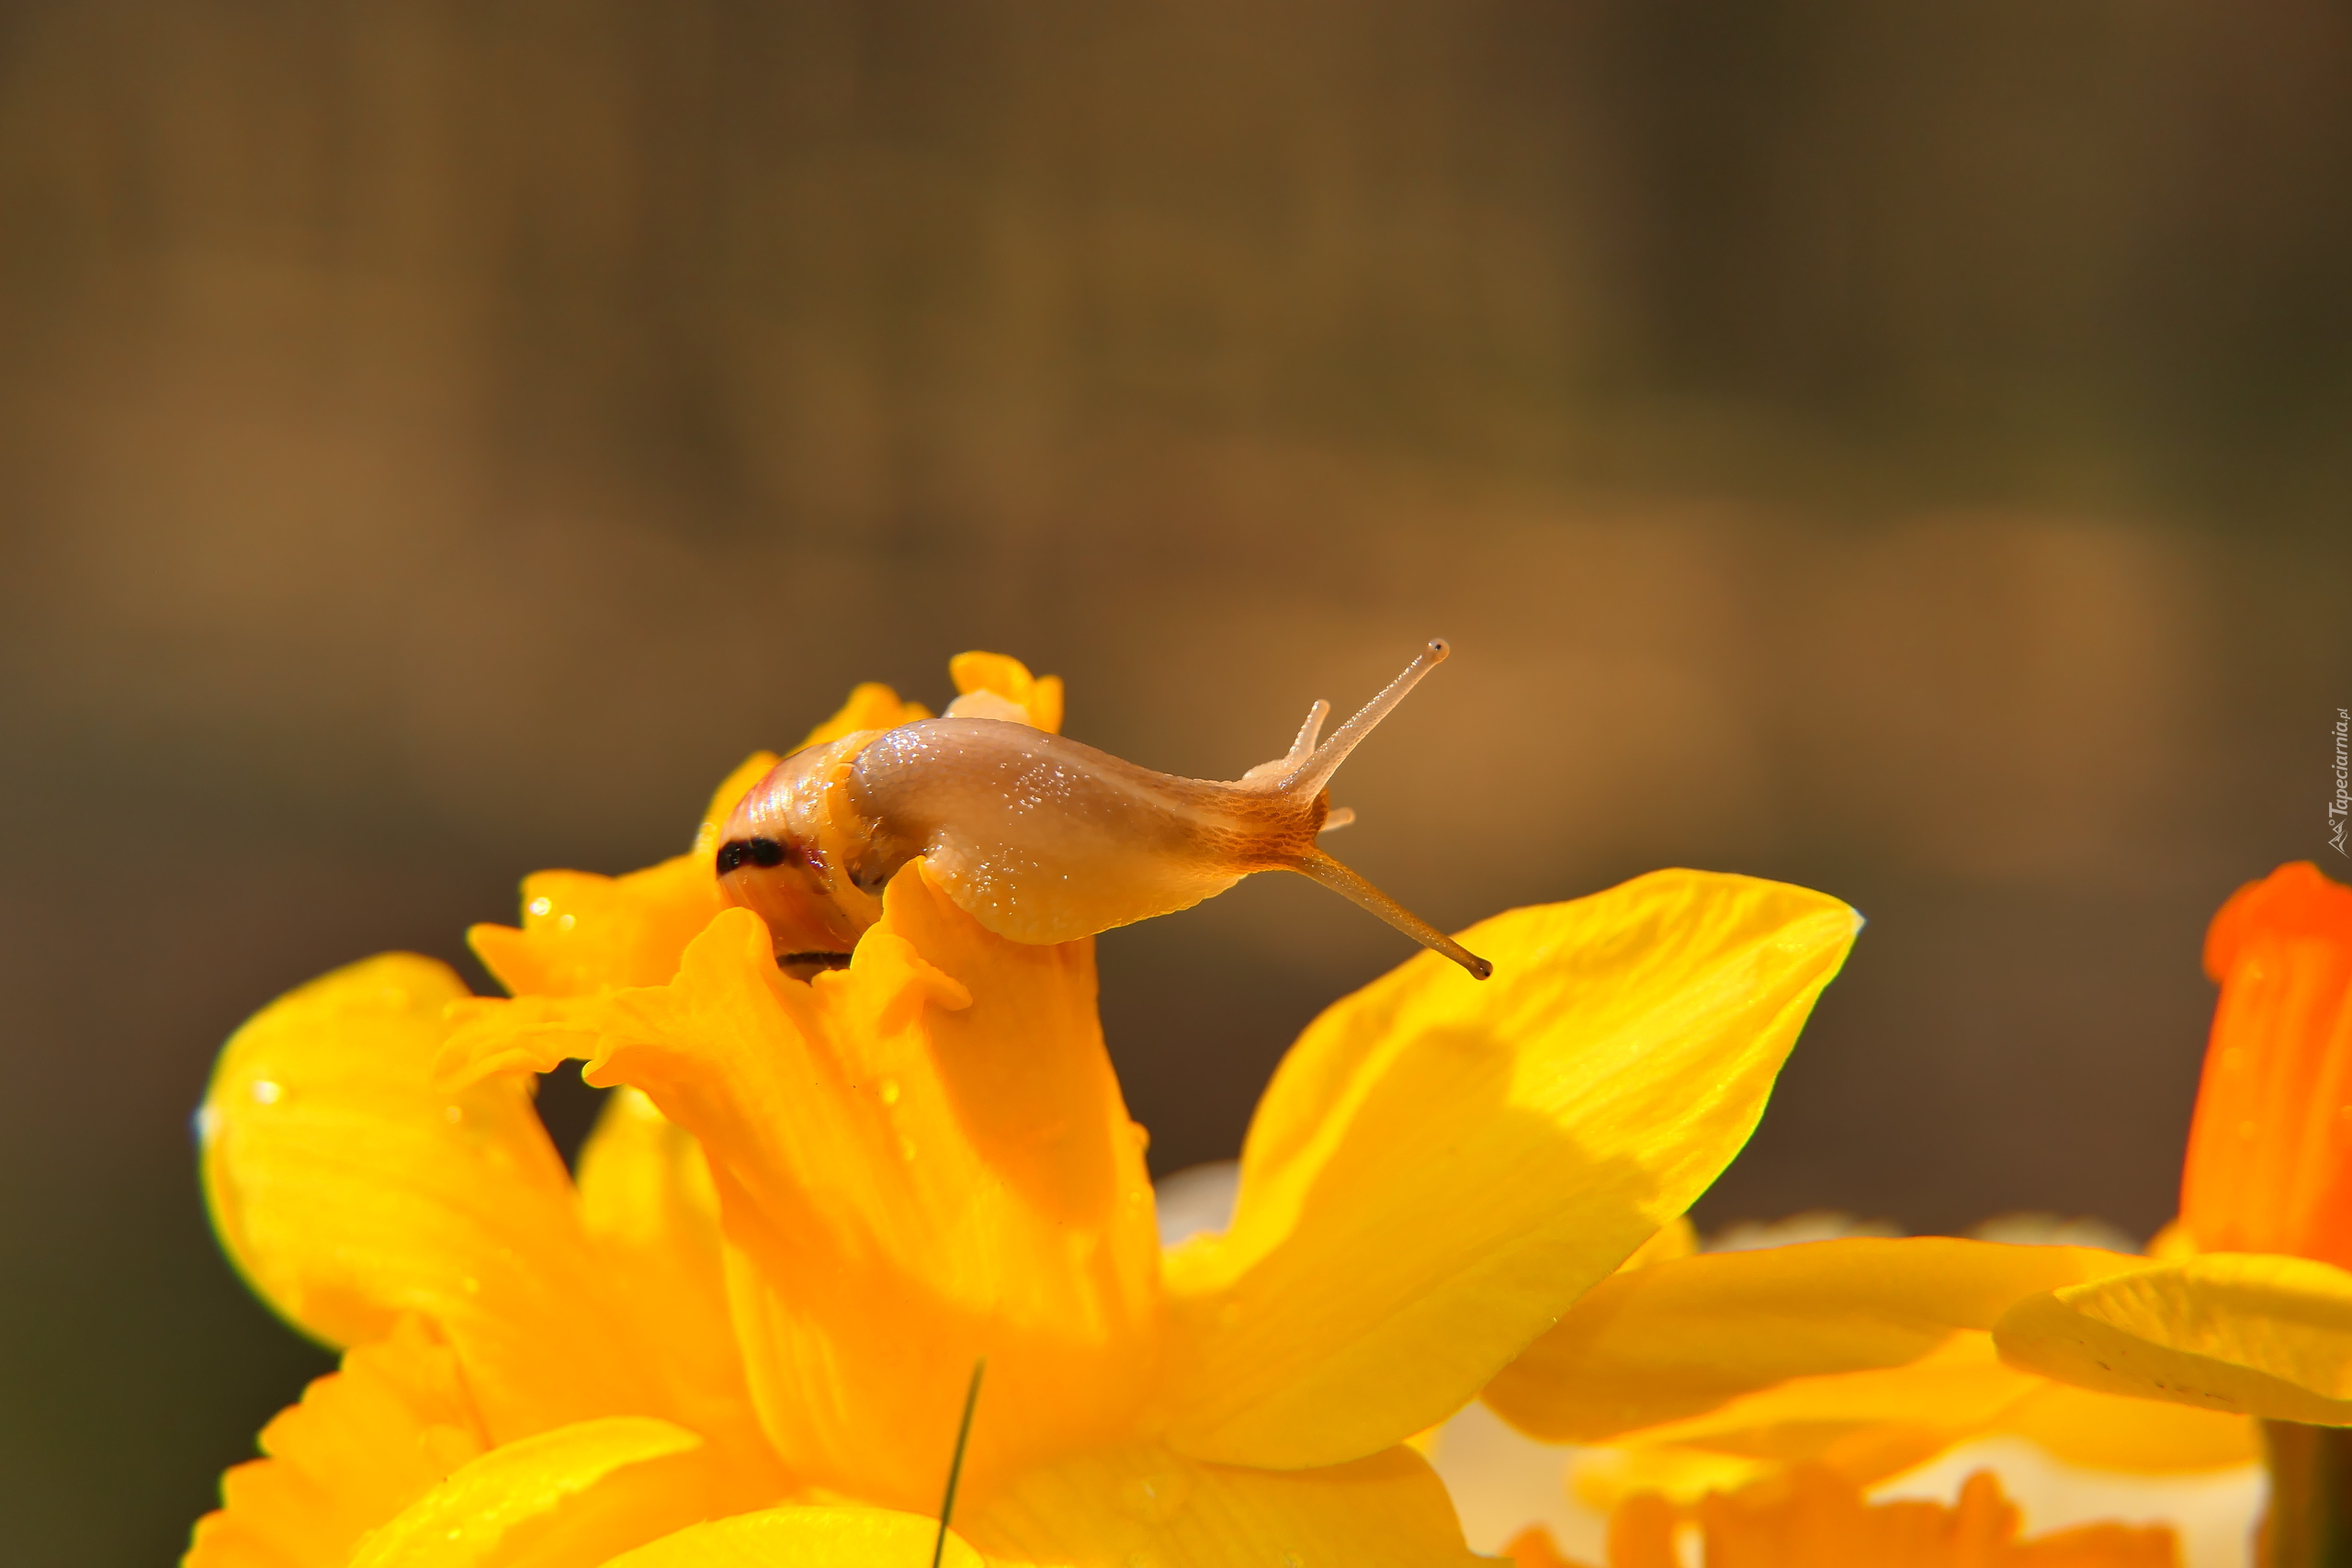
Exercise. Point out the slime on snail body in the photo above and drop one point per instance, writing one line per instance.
(1039, 838)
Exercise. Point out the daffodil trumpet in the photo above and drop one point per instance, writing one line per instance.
(2270, 1162)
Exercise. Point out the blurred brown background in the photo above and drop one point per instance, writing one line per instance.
(1897, 447)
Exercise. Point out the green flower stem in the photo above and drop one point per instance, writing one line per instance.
(2310, 1522)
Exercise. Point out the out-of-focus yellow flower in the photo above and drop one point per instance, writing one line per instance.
(1862, 1358)
(1811, 1517)
(1867, 1356)
(814, 1205)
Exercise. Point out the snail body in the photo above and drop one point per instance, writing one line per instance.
(1040, 838)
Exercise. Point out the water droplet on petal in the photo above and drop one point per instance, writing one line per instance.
(540, 906)
(564, 922)
(268, 1093)
(888, 1089)
(1156, 1497)
(453, 1114)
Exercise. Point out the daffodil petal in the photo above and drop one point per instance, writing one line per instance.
(365, 1442)
(350, 1192)
(573, 1498)
(1682, 1338)
(1862, 1426)
(922, 1160)
(2107, 1431)
(1442, 1167)
(806, 1538)
(2250, 1333)
(647, 1201)
(1958, 1389)
(1146, 1504)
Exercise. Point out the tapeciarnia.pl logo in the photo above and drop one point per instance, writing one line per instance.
(2336, 807)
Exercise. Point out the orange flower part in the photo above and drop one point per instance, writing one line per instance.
(1812, 1519)
(582, 931)
(2269, 1165)
(985, 680)
(929, 1149)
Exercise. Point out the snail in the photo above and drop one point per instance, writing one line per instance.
(1039, 838)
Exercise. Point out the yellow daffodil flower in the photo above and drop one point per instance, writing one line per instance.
(744, 1332)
